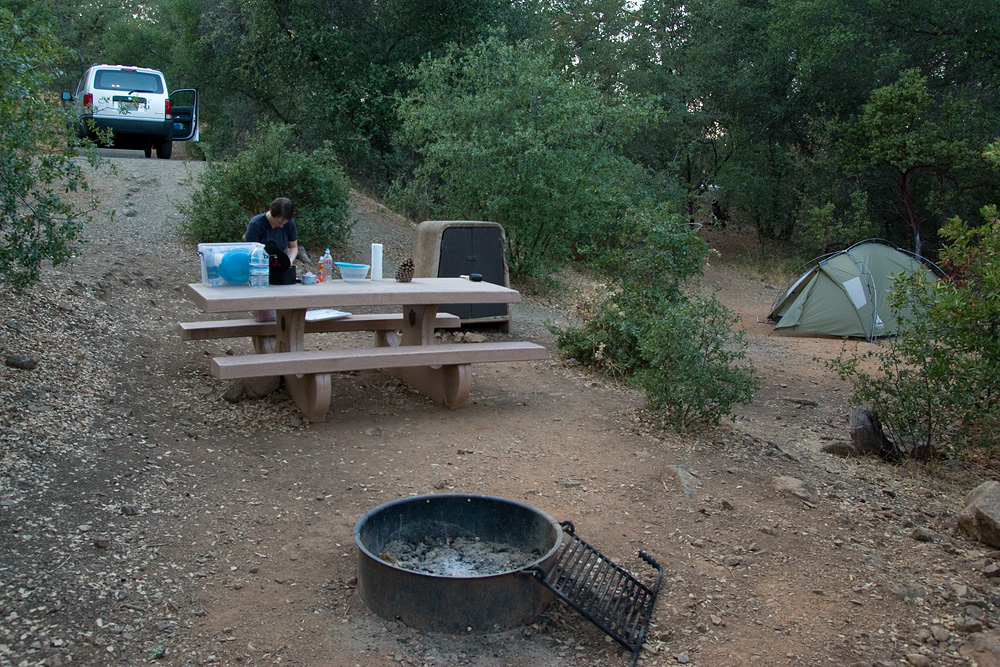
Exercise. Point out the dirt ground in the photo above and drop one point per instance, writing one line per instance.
(146, 519)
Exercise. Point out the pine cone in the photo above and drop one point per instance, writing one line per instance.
(404, 273)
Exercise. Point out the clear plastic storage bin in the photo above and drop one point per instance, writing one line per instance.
(211, 256)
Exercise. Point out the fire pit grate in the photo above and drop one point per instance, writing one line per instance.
(608, 596)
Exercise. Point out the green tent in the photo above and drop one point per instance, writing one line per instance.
(847, 293)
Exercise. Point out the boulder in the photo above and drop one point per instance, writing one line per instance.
(981, 516)
(867, 435)
(983, 648)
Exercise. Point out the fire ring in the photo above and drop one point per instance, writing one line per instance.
(456, 563)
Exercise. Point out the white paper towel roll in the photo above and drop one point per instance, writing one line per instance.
(376, 261)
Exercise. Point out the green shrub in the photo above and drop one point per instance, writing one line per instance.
(681, 350)
(937, 385)
(233, 191)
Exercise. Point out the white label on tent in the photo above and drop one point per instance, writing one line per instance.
(856, 292)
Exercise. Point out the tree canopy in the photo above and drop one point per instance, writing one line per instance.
(819, 121)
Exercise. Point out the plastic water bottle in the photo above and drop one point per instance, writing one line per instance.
(260, 267)
(212, 259)
(325, 267)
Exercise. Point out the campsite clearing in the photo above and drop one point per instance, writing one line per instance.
(147, 519)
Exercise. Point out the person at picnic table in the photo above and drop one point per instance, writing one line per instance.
(276, 225)
(275, 228)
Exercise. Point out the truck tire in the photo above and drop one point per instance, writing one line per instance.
(164, 149)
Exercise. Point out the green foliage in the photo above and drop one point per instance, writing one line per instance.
(501, 133)
(331, 70)
(898, 143)
(938, 384)
(681, 350)
(232, 191)
(766, 84)
(823, 232)
(36, 223)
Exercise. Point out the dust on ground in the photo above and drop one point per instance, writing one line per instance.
(146, 519)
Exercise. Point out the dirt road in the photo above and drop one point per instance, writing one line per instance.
(146, 519)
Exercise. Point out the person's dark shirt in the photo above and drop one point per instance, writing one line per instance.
(260, 231)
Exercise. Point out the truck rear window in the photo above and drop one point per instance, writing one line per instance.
(128, 82)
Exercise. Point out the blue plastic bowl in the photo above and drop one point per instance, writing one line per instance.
(235, 266)
(352, 273)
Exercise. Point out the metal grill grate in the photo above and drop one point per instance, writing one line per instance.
(608, 596)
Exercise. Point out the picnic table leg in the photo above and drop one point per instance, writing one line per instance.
(418, 325)
(448, 385)
(311, 392)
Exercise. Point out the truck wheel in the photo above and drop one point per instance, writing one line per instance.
(164, 149)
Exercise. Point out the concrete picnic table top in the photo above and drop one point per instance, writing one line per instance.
(338, 293)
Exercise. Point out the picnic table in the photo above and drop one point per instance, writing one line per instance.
(403, 345)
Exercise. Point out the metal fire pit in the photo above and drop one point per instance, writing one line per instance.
(419, 557)
(444, 603)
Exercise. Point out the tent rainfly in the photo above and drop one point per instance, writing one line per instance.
(847, 293)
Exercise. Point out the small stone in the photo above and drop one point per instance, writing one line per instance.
(102, 541)
(941, 634)
(130, 510)
(975, 611)
(795, 487)
(922, 534)
(968, 625)
(726, 505)
(918, 660)
(21, 362)
(682, 658)
(906, 591)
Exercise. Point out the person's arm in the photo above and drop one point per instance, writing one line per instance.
(292, 251)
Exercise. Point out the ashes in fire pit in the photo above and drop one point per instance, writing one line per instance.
(457, 556)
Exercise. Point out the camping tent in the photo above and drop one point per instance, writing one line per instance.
(847, 293)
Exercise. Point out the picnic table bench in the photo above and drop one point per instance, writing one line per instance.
(385, 326)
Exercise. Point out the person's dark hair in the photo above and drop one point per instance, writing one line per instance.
(282, 208)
